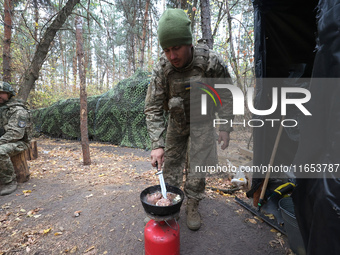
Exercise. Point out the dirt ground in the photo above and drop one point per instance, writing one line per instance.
(69, 208)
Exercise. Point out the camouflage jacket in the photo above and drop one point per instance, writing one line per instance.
(15, 122)
(167, 82)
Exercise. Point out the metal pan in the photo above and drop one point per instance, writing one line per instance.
(161, 210)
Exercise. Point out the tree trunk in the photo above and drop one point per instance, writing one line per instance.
(133, 55)
(220, 16)
(83, 95)
(36, 19)
(183, 4)
(53, 82)
(107, 78)
(206, 23)
(32, 73)
(232, 49)
(64, 63)
(119, 65)
(113, 65)
(88, 62)
(8, 6)
(145, 25)
(192, 13)
(74, 71)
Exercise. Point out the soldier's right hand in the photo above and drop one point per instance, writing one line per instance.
(157, 155)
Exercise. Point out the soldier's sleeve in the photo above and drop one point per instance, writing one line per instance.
(15, 130)
(154, 108)
(218, 69)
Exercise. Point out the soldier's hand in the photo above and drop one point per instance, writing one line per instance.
(224, 137)
(157, 155)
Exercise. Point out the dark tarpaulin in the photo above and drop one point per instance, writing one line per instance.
(284, 47)
(317, 201)
(302, 39)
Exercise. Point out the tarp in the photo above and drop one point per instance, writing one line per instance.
(117, 116)
(317, 201)
(284, 47)
(303, 37)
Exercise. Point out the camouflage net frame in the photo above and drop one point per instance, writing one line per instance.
(116, 116)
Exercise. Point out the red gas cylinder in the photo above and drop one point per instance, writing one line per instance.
(161, 238)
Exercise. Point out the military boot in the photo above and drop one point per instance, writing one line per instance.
(8, 188)
(193, 216)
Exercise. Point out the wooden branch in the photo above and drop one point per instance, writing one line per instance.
(32, 73)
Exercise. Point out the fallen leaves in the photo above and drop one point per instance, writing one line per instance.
(253, 221)
(27, 192)
(63, 164)
(76, 213)
(66, 161)
(276, 242)
(270, 216)
(45, 231)
(33, 213)
(239, 211)
(74, 249)
(258, 218)
(3, 218)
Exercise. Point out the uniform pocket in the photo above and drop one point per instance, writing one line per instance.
(177, 113)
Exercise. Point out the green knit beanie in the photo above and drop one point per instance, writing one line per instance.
(174, 29)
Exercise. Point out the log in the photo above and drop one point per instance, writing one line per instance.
(32, 151)
(20, 167)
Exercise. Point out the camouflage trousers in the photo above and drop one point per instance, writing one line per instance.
(7, 173)
(186, 148)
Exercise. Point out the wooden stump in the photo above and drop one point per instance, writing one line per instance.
(32, 151)
(20, 167)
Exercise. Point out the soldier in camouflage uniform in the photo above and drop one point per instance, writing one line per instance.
(167, 92)
(15, 125)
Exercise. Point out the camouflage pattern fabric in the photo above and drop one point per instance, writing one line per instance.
(116, 116)
(178, 144)
(6, 87)
(169, 85)
(15, 125)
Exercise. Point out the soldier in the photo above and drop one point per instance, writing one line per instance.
(15, 127)
(168, 91)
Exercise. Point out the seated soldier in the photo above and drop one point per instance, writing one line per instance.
(15, 127)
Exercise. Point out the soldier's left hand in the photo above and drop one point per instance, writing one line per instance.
(224, 137)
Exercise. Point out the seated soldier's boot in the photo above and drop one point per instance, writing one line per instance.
(8, 188)
(193, 216)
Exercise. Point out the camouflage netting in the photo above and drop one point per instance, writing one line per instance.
(116, 116)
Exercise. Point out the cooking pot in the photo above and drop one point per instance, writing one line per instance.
(161, 210)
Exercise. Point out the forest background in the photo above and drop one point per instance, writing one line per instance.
(118, 37)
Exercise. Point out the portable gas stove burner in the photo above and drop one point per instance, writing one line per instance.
(163, 218)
